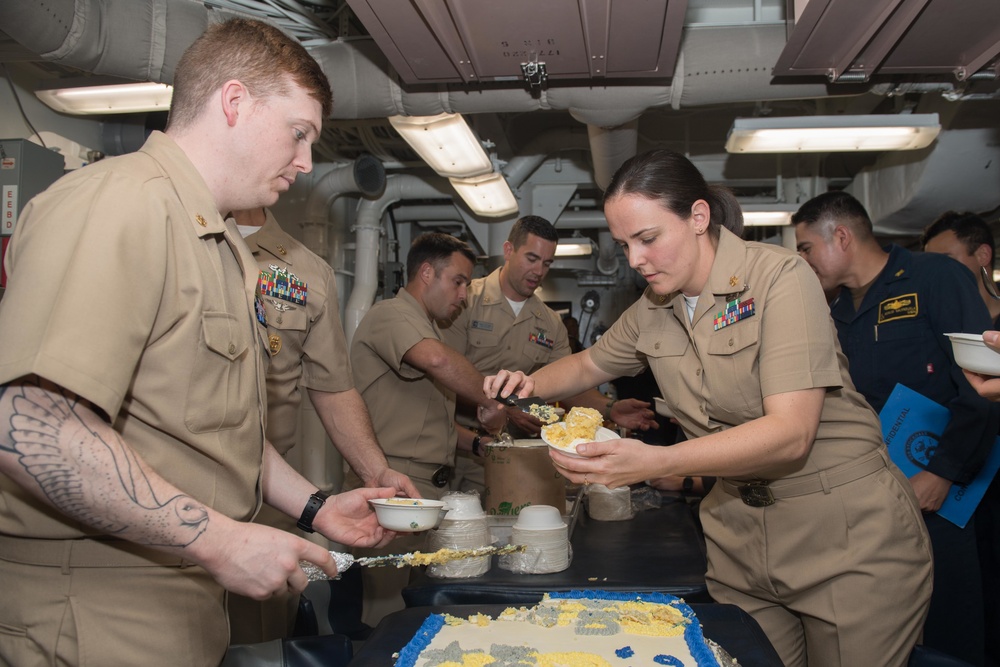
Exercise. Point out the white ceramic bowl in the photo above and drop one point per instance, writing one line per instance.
(539, 517)
(408, 515)
(972, 354)
(570, 449)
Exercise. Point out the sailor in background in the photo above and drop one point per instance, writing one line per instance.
(892, 312)
(307, 353)
(410, 379)
(504, 324)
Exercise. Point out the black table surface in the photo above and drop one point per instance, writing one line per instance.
(725, 624)
(659, 550)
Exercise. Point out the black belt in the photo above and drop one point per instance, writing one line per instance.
(761, 493)
(436, 474)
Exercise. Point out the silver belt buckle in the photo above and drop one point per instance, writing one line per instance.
(756, 494)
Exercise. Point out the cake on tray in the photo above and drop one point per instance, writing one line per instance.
(569, 629)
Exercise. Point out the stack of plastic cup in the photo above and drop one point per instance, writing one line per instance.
(540, 528)
(604, 504)
(463, 527)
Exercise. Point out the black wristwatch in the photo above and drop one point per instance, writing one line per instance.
(476, 444)
(316, 501)
(687, 486)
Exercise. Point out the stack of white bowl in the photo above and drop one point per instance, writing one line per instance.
(463, 527)
(540, 528)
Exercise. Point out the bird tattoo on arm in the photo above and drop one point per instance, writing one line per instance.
(96, 479)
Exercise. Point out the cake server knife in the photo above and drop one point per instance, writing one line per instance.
(523, 403)
(345, 561)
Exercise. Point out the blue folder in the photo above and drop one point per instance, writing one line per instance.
(911, 427)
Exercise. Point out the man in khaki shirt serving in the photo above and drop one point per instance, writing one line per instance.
(132, 380)
(505, 325)
(409, 380)
(307, 351)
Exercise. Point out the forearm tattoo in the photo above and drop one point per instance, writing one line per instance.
(96, 480)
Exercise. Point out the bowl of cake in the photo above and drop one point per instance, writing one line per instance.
(972, 354)
(580, 425)
(408, 515)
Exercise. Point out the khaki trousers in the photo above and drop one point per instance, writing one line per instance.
(835, 579)
(135, 612)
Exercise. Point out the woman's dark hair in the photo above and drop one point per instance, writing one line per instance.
(670, 179)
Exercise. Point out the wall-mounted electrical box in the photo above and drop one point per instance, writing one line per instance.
(25, 170)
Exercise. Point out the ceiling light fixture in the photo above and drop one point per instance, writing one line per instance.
(86, 100)
(488, 195)
(574, 247)
(823, 134)
(446, 143)
(768, 215)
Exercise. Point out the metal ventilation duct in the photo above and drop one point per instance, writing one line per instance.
(470, 41)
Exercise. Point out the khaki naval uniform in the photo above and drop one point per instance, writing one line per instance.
(306, 341)
(127, 288)
(838, 569)
(414, 420)
(307, 350)
(491, 337)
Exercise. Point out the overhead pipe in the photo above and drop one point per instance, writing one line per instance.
(607, 254)
(368, 231)
(611, 147)
(365, 176)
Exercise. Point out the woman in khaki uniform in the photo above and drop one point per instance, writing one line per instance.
(811, 529)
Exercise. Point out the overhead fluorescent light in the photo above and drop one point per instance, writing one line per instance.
(827, 134)
(488, 195)
(766, 218)
(446, 143)
(108, 99)
(767, 215)
(574, 247)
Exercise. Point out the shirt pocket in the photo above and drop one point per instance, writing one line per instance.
(294, 319)
(732, 373)
(664, 351)
(219, 393)
(486, 340)
(905, 352)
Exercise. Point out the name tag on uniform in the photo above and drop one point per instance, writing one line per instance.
(479, 324)
(898, 308)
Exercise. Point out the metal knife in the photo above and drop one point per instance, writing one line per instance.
(523, 403)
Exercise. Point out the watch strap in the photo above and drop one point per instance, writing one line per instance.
(687, 485)
(315, 501)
